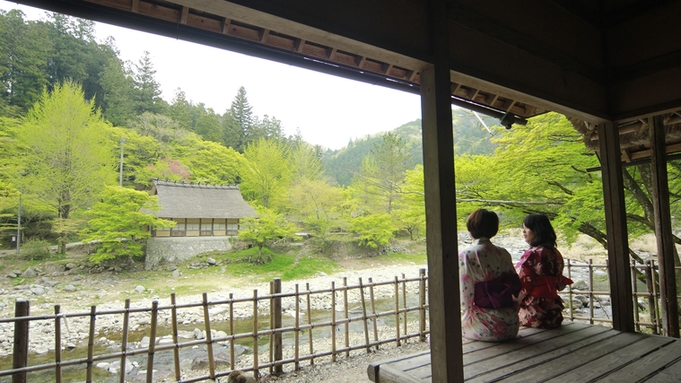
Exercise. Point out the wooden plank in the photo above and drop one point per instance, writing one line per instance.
(530, 358)
(613, 361)
(671, 373)
(388, 374)
(574, 359)
(645, 366)
(512, 346)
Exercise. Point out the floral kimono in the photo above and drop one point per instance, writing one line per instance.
(488, 285)
(541, 273)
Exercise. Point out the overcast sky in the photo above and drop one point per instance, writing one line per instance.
(328, 110)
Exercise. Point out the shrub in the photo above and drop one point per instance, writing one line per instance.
(35, 250)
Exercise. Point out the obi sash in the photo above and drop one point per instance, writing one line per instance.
(497, 293)
(547, 286)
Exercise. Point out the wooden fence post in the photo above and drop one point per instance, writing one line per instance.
(422, 305)
(21, 309)
(276, 337)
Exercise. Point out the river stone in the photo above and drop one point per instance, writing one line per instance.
(176, 273)
(29, 273)
(580, 285)
(69, 287)
(140, 289)
(38, 290)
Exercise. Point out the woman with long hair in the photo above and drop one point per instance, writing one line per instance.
(541, 273)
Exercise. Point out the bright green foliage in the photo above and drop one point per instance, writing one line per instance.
(306, 162)
(374, 230)
(138, 152)
(386, 175)
(316, 203)
(411, 209)
(213, 163)
(119, 221)
(267, 173)
(538, 168)
(69, 159)
(265, 229)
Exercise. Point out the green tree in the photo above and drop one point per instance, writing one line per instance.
(317, 204)
(210, 162)
(267, 173)
(374, 230)
(264, 230)
(147, 89)
(69, 158)
(120, 221)
(411, 209)
(239, 122)
(117, 92)
(24, 48)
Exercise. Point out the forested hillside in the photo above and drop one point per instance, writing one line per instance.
(83, 134)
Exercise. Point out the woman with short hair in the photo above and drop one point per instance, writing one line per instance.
(488, 282)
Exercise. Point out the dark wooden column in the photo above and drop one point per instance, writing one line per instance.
(663, 227)
(441, 231)
(616, 228)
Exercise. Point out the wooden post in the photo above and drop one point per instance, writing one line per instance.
(616, 228)
(152, 342)
(591, 292)
(333, 321)
(256, 372)
(373, 311)
(296, 356)
(91, 344)
(440, 196)
(404, 303)
(124, 340)
(652, 296)
(397, 312)
(176, 350)
(57, 343)
(572, 309)
(663, 227)
(347, 316)
(277, 338)
(232, 358)
(364, 316)
(309, 322)
(20, 357)
(422, 305)
(634, 287)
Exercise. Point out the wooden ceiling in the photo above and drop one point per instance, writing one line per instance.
(594, 61)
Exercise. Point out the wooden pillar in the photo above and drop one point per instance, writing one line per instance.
(663, 227)
(616, 228)
(440, 196)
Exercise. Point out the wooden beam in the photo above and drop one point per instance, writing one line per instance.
(441, 239)
(616, 228)
(663, 227)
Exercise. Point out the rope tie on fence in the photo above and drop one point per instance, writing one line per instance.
(66, 322)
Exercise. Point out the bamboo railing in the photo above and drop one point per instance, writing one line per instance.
(270, 338)
(272, 359)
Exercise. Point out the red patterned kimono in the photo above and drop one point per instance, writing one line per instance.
(541, 273)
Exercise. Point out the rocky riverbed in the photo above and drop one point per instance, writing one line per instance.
(75, 291)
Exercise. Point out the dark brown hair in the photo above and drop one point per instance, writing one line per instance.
(544, 235)
(482, 223)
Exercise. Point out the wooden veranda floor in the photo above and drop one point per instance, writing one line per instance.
(572, 353)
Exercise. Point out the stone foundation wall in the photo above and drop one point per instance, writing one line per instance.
(173, 250)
